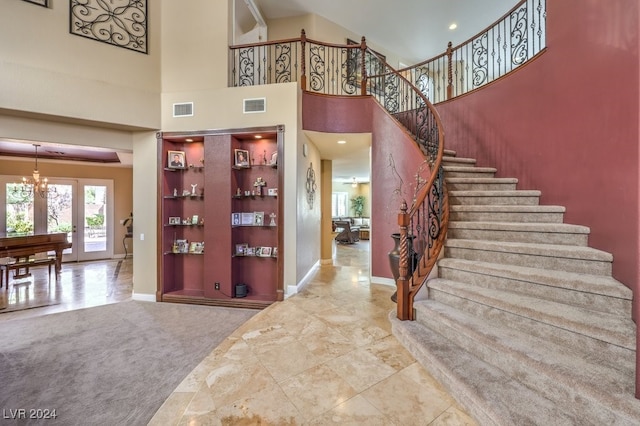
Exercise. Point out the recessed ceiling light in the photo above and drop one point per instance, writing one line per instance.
(453, 26)
(189, 140)
(342, 142)
(258, 136)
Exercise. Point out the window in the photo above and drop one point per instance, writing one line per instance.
(339, 204)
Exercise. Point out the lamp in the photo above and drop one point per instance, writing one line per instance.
(355, 183)
(34, 184)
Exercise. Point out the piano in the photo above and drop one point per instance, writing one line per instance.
(28, 245)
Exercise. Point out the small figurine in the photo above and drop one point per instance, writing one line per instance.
(175, 192)
(193, 189)
(259, 183)
(273, 219)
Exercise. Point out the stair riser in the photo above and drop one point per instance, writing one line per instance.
(480, 186)
(583, 266)
(616, 352)
(534, 374)
(596, 302)
(493, 200)
(506, 217)
(521, 237)
(461, 162)
(471, 173)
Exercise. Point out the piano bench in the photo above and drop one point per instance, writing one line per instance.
(11, 264)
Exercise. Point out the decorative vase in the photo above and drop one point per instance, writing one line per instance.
(394, 259)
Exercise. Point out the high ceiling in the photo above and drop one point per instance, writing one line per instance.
(415, 30)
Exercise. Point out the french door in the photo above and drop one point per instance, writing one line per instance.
(83, 208)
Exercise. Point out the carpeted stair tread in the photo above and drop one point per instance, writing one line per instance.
(498, 193)
(588, 385)
(521, 227)
(601, 326)
(499, 208)
(486, 392)
(551, 250)
(461, 161)
(469, 169)
(596, 284)
(479, 180)
(521, 213)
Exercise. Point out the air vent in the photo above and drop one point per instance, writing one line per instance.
(184, 109)
(250, 106)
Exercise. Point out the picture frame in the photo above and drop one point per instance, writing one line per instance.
(372, 65)
(235, 219)
(251, 251)
(265, 252)
(194, 219)
(258, 218)
(274, 252)
(246, 219)
(183, 246)
(176, 160)
(241, 158)
(196, 247)
(272, 192)
(241, 249)
(174, 220)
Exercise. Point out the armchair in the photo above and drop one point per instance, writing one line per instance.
(349, 234)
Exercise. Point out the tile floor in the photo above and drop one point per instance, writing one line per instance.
(324, 356)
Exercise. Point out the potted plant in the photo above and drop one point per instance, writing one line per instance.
(357, 204)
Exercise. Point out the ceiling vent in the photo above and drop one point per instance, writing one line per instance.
(250, 106)
(184, 109)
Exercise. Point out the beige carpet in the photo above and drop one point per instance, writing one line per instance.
(107, 365)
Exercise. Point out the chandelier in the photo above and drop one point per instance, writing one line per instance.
(34, 184)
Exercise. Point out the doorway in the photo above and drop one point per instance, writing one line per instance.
(83, 208)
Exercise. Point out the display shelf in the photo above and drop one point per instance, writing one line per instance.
(211, 277)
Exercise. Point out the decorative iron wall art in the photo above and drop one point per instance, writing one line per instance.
(122, 23)
(43, 3)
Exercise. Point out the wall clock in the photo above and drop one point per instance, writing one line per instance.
(311, 186)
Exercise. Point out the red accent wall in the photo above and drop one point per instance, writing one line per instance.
(567, 124)
(364, 115)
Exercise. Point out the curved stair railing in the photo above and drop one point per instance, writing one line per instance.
(423, 224)
(407, 95)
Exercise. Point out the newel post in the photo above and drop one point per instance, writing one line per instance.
(303, 68)
(363, 70)
(449, 71)
(403, 280)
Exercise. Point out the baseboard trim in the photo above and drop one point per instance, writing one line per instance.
(143, 297)
(384, 281)
(293, 289)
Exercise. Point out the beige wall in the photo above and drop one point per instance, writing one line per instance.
(47, 70)
(320, 29)
(62, 88)
(121, 177)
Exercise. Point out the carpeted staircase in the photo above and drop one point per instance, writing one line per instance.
(524, 324)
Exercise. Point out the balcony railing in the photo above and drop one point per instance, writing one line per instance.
(334, 69)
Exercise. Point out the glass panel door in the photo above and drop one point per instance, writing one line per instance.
(96, 216)
(61, 215)
(19, 213)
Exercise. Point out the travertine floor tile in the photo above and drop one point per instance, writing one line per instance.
(324, 356)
